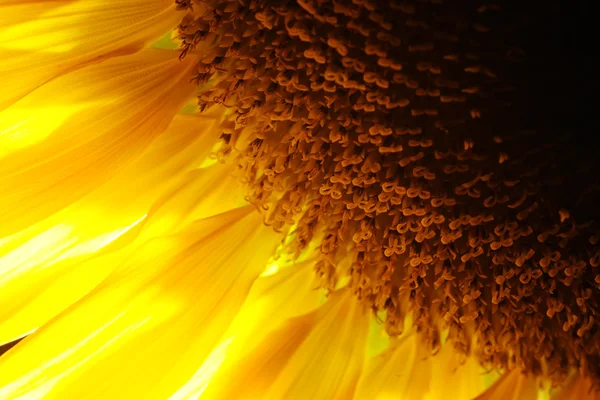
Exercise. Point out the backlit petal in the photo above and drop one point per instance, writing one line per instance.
(455, 378)
(55, 36)
(41, 270)
(315, 356)
(74, 133)
(401, 372)
(290, 292)
(14, 12)
(143, 332)
(513, 385)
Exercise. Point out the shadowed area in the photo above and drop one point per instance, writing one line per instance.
(7, 346)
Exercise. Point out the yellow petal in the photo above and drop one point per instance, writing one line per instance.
(315, 356)
(199, 194)
(13, 12)
(143, 332)
(290, 292)
(34, 285)
(81, 128)
(455, 378)
(401, 372)
(513, 385)
(53, 37)
(40, 268)
(577, 388)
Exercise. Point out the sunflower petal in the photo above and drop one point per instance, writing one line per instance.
(290, 292)
(315, 356)
(45, 260)
(157, 317)
(52, 37)
(513, 385)
(403, 371)
(18, 11)
(455, 378)
(73, 134)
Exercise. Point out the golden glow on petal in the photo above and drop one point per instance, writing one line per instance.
(455, 378)
(198, 383)
(116, 109)
(61, 282)
(55, 37)
(43, 269)
(198, 194)
(157, 317)
(289, 292)
(317, 355)
(401, 372)
(271, 269)
(511, 386)
(20, 127)
(29, 293)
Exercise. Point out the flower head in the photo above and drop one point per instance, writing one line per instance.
(298, 183)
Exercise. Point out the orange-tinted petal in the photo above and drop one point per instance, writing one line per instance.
(290, 292)
(577, 388)
(401, 372)
(315, 356)
(455, 378)
(513, 385)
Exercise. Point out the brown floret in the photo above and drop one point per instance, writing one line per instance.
(409, 141)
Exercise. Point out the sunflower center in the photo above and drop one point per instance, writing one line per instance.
(410, 142)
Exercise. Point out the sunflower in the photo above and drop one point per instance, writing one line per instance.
(311, 199)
